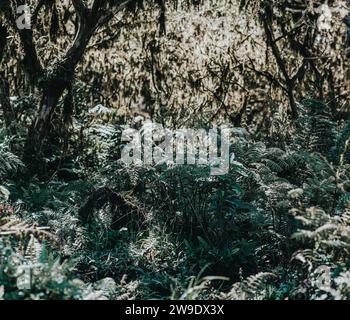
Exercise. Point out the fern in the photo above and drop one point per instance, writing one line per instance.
(316, 131)
(252, 288)
(343, 144)
(9, 163)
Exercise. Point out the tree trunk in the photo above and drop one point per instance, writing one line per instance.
(8, 113)
(37, 138)
(52, 91)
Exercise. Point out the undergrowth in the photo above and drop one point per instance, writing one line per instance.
(275, 227)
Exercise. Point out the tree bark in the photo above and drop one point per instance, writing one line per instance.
(54, 84)
(289, 80)
(53, 88)
(8, 113)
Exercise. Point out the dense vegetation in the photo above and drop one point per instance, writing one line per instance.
(77, 223)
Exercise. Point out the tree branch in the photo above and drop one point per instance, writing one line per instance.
(31, 60)
(290, 84)
(80, 8)
(108, 12)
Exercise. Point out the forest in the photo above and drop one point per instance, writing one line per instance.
(97, 98)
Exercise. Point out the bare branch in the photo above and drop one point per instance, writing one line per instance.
(108, 12)
(300, 73)
(267, 75)
(80, 8)
(271, 41)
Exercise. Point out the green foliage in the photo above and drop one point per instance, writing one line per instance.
(9, 162)
(316, 129)
(343, 144)
(155, 227)
(79, 224)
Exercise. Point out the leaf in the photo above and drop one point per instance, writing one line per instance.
(2, 292)
(5, 192)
